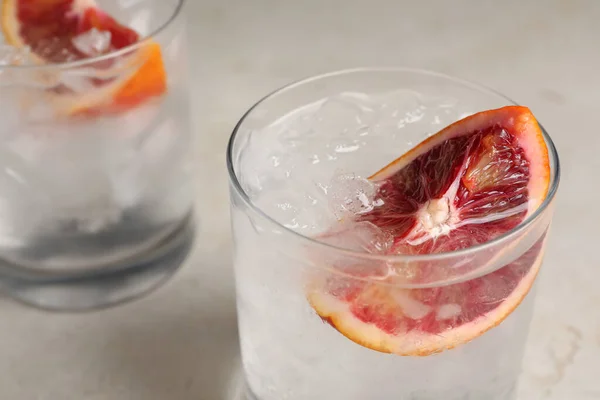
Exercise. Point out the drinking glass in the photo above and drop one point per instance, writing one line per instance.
(300, 341)
(97, 185)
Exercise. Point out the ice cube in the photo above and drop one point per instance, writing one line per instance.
(10, 55)
(396, 110)
(147, 158)
(23, 198)
(338, 115)
(13, 56)
(76, 83)
(350, 194)
(265, 162)
(396, 103)
(359, 236)
(295, 131)
(39, 111)
(280, 206)
(431, 101)
(92, 42)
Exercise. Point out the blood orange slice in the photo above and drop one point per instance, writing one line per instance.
(59, 31)
(471, 182)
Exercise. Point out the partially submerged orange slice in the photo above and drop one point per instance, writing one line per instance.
(52, 30)
(471, 182)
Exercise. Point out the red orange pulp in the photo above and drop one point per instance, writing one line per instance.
(49, 28)
(466, 185)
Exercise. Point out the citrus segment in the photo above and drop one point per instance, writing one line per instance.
(420, 322)
(145, 82)
(49, 27)
(150, 80)
(60, 31)
(471, 182)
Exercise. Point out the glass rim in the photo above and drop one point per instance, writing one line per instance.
(522, 226)
(107, 56)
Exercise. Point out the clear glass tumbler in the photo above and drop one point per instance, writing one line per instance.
(299, 298)
(95, 149)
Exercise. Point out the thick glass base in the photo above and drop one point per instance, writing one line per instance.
(123, 281)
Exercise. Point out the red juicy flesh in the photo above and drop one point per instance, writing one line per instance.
(376, 304)
(499, 186)
(493, 174)
(48, 27)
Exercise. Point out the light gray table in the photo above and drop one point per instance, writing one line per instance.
(180, 342)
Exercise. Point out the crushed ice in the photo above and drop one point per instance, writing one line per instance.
(13, 56)
(351, 195)
(361, 236)
(92, 42)
(10, 55)
(338, 115)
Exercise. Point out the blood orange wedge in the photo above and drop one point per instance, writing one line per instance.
(471, 182)
(59, 31)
